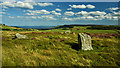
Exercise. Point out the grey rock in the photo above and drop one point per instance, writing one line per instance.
(67, 31)
(84, 41)
(19, 36)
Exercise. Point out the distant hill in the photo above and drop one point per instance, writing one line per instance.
(98, 27)
(10, 28)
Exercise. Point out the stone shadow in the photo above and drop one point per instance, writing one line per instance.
(74, 46)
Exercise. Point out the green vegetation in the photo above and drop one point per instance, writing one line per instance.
(8, 28)
(105, 27)
(56, 48)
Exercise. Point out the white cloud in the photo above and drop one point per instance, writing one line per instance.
(81, 18)
(19, 16)
(90, 6)
(99, 17)
(30, 10)
(9, 4)
(72, 19)
(29, 14)
(90, 17)
(48, 17)
(8, 0)
(45, 4)
(34, 17)
(24, 5)
(69, 13)
(5, 7)
(3, 10)
(75, 18)
(58, 9)
(82, 13)
(11, 17)
(93, 15)
(78, 6)
(82, 6)
(97, 13)
(116, 13)
(2, 13)
(55, 13)
(69, 9)
(35, 12)
(18, 4)
(28, 1)
(115, 17)
(108, 16)
(114, 8)
(44, 12)
(68, 19)
(28, 17)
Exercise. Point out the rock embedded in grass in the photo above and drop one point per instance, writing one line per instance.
(84, 41)
(67, 31)
(19, 36)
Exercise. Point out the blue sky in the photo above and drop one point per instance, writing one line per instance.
(59, 13)
(62, 0)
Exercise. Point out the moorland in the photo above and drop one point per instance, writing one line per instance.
(54, 47)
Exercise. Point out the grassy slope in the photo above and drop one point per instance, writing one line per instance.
(54, 48)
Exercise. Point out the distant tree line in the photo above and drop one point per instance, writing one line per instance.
(110, 27)
(3, 24)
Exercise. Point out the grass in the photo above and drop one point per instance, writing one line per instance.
(56, 48)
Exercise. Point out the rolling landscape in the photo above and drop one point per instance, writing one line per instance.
(55, 34)
(54, 47)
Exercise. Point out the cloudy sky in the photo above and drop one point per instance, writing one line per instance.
(58, 13)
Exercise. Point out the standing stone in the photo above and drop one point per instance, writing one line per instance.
(84, 41)
(19, 36)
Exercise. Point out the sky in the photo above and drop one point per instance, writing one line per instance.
(58, 13)
(62, 0)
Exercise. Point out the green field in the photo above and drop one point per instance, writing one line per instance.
(56, 48)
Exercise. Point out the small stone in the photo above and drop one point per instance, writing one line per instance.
(67, 31)
(84, 41)
(19, 36)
